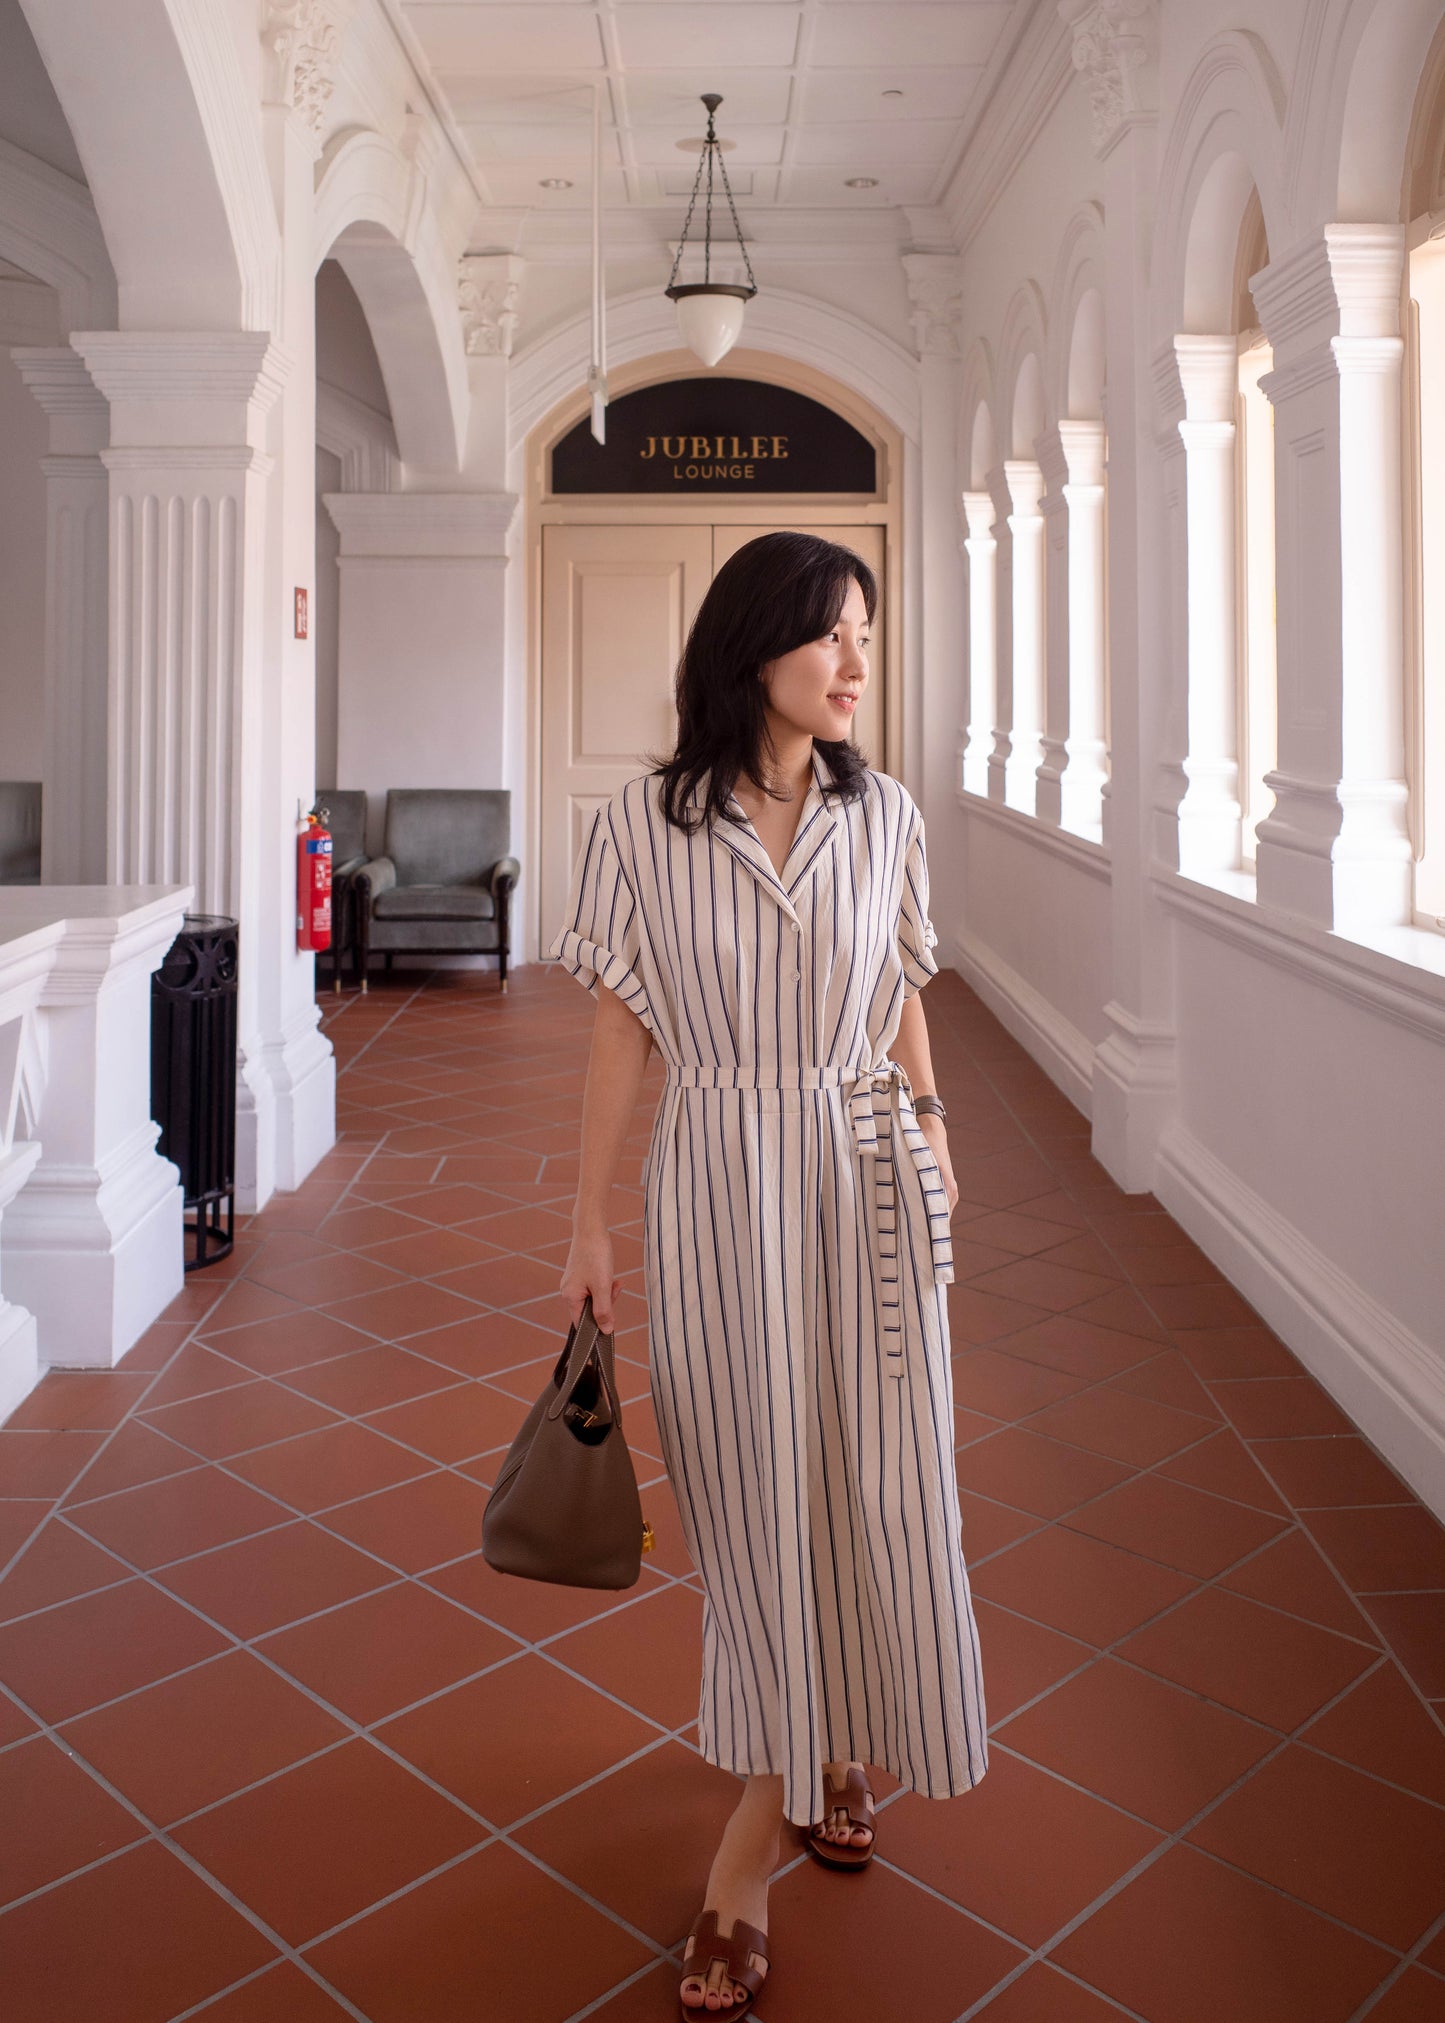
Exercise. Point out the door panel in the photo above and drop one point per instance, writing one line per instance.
(616, 606)
(870, 717)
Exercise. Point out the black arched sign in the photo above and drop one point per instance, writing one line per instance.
(691, 436)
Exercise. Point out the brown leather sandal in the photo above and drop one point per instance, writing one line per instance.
(708, 1945)
(856, 1799)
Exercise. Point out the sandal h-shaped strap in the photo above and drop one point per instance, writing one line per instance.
(708, 1945)
(855, 1799)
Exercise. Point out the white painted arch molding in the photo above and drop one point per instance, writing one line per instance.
(796, 327)
(1075, 377)
(1023, 410)
(1353, 93)
(158, 107)
(1228, 132)
(48, 226)
(371, 218)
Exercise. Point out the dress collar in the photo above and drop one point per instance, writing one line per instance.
(818, 823)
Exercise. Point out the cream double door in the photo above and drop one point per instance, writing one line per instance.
(617, 602)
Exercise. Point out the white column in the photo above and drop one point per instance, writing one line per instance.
(1086, 765)
(982, 551)
(295, 1057)
(94, 1246)
(76, 494)
(1003, 569)
(1054, 742)
(188, 473)
(422, 698)
(1025, 483)
(26, 953)
(1209, 813)
(1336, 847)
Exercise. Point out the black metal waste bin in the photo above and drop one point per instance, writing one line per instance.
(193, 1076)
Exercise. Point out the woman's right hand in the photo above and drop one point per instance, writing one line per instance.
(589, 1270)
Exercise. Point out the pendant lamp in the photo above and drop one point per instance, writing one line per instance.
(710, 313)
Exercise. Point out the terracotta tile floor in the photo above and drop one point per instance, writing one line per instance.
(276, 1745)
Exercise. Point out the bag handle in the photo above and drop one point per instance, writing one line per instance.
(585, 1339)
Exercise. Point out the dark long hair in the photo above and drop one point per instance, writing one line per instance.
(775, 594)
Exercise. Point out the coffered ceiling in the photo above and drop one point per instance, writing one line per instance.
(815, 93)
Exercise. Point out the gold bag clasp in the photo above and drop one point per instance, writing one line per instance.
(648, 1540)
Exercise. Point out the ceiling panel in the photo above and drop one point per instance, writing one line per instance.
(474, 38)
(837, 95)
(756, 145)
(827, 187)
(861, 32)
(863, 145)
(814, 92)
(739, 34)
(672, 98)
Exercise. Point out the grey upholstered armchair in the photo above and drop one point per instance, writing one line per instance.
(343, 809)
(445, 882)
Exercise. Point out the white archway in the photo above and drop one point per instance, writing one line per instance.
(798, 327)
(1227, 140)
(368, 221)
(172, 157)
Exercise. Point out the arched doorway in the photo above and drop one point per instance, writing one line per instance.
(623, 544)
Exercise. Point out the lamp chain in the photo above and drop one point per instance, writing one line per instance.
(711, 147)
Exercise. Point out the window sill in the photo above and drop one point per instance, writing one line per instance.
(1400, 973)
(1081, 851)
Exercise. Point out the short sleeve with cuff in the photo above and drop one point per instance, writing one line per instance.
(917, 937)
(600, 940)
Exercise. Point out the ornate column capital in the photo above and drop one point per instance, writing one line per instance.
(1116, 46)
(489, 295)
(935, 289)
(301, 39)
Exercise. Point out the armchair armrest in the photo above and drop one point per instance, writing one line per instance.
(377, 876)
(504, 873)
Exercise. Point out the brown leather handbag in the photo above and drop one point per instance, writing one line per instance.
(565, 1505)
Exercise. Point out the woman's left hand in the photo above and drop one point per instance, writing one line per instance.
(936, 1132)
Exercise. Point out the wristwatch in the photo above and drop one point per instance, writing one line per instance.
(929, 1106)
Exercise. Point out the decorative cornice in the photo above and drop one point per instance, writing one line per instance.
(935, 289)
(302, 39)
(1342, 282)
(1115, 50)
(168, 367)
(1031, 83)
(489, 294)
(57, 377)
(1208, 374)
(979, 514)
(419, 526)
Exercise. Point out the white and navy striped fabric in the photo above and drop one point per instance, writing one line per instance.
(796, 1253)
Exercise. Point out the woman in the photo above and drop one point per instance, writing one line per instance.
(757, 908)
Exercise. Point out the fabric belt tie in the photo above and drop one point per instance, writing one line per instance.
(872, 1098)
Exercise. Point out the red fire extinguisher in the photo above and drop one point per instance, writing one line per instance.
(313, 884)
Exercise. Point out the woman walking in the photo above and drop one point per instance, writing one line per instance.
(757, 909)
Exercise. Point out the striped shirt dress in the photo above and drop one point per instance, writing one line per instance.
(796, 1251)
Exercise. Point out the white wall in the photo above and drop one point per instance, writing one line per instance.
(22, 579)
(327, 620)
(1279, 1082)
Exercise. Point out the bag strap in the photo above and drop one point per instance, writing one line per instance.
(585, 1340)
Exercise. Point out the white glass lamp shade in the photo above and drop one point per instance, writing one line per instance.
(710, 320)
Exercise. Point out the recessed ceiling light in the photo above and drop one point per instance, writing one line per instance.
(861, 183)
(555, 183)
